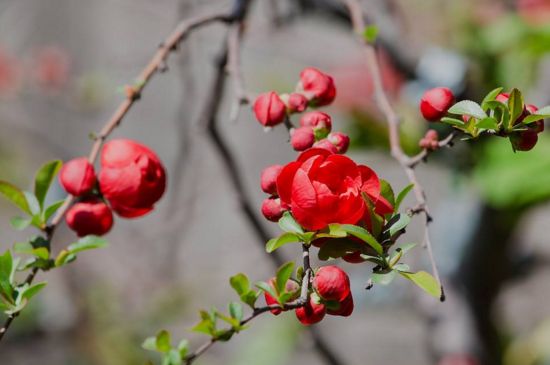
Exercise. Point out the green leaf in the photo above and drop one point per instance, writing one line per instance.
(387, 192)
(236, 311)
(174, 357)
(44, 178)
(49, 211)
(6, 268)
(87, 243)
(240, 283)
(402, 267)
(14, 195)
(487, 123)
(406, 247)
(468, 107)
(515, 104)
(280, 241)
(289, 224)
(402, 195)
(250, 298)
(358, 232)
(29, 249)
(542, 113)
(150, 344)
(63, 258)
(453, 121)
(267, 288)
(370, 33)
(207, 325)
(400, 221)
(383, 279)
(283, 274)
(183, 347)
(20, 223)
(163, 341)
(30, 291)
(490, 97)
(33, 203)
(340, 247)
(425, 281)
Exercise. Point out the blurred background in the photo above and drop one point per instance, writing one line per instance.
(63, 65)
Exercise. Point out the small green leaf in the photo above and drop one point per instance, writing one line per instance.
(20, 223)
(49, 211)
(29, 249)
(16, 196)
(283, 274)
(453, 121)
(267, 288)
(289, 224)
(515, 104)
(468, 107)
(33, 203)
(425, 281)
(280, 241)
(87, 243)
(402, 267)
(360, 233)
(250, 298)
(30, 291)
(63, 258)
(6, 268)
(406, 247)
(150, 344)
(387, 192)
(183, 348)
(383, 279)
(236, 311)
(370, 33)
(400, 221)
(487, 123)
(402, 195)
(490, 97)
(174, 357)
(163, 341)
(240, 283)
(44, 178)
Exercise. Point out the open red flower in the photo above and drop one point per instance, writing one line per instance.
(322, 188)
(132, 177)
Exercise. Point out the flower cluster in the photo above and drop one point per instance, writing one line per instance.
(314, 89)
(131, 180)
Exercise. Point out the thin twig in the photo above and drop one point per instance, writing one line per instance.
(423, 155)
(133, 93)
(298, 303)
(382, 101)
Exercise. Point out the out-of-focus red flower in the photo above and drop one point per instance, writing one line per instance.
(132, 177)
(77, 176)
(10, 74)
(90, 217)
(51, 67)
(534, 11)
(322, 188)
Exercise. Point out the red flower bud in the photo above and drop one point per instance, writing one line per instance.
(435, 103)
(291, 286)
(302, 138)
(77, 176)
(297, 103)
(90, 217)
(272, 209)
(346, 307)
(524, 140)
(430, 140)
(268, 179)
(320, 122)
(326, 145)
(331, 283)
(340, 141)
(51, 68)
(311, 313)
(318, 86)
(269, 109)
(132, 177)
(503, 98)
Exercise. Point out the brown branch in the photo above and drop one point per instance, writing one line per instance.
(133, 93)
(298, 303)
(382, 101)
(423, 155)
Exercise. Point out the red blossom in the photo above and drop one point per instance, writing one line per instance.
(435, 103)
(318, 86)
(90, 217)
(269, 109)
(77, 176)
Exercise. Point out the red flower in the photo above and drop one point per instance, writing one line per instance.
(90, 217)
(77, 176)
(435, 103)
(317, 120)
(331, 283)
(340, 141)
(132, 177)
(311, 312)
(268, 179)
(318, 86)
(269, 109)
(322, 188)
